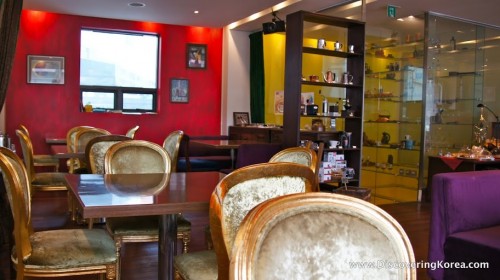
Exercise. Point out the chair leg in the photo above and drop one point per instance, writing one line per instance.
(186, 238)
(118, 244)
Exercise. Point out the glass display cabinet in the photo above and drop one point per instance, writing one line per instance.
(463, 64)
(392, 119)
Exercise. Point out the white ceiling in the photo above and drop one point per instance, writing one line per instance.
(219, 13)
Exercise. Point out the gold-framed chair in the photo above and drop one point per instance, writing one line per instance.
(301, 155)
(72, 163)
(231, 200)
(51, 253)
(131, 132)
(172, 144)
(39, 181)
(96, 150)
(42, 160)
(82, 137)
(321, 236)
(132, 157)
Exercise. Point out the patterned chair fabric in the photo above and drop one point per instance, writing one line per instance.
(231, 200)
(96, 149)
(65, 252)
(320, 236)
(82, 138)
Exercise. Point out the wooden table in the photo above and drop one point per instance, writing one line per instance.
(55, 141)
(119, 195)
(61, 151)
(232, 145)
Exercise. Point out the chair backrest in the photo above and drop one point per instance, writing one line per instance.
(320, 236)
(136, 156)
(300, 155)
(172, 144)
(19, 192)
(27, 149)
(24, 129)
(82, 138)
(243, 189)
(254, 153)
(73, 163)
(131, 132)
(96, 149)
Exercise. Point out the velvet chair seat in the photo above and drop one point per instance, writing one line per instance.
(204, 262)
(147, 228)
(49, 178)
(70, 248)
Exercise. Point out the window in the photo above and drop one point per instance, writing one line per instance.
(119, 71)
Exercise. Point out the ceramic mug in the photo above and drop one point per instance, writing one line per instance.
(337, 46)
(321, 43)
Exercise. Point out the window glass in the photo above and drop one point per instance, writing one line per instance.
(134, 101)
(119, 70)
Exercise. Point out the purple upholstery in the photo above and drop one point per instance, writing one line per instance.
(461, 202)
(480, 245)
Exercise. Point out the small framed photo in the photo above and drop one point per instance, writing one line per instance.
(179, 90)
(241, 118)
(196, 56)
(45, 69)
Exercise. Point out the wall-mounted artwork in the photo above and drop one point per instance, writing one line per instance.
(179, 90)
(196, 56)
(45, 69)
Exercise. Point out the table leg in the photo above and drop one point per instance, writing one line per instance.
(233, 158)
(167, 246)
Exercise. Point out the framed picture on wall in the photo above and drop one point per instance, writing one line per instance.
(241, 118)
(196, 56)
(45, 69)
(179, 90)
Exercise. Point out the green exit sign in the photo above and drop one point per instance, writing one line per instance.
(391, 11)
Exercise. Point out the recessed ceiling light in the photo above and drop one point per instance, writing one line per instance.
(137, 4)
(196, 12)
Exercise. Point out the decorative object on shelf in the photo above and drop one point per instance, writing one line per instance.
(196, 56)
(480, 129)
(179, 90)
(386, 138)
(45, 69)
(345, 140)
(313, 78)
(329, 77)
(321, 44)
(347, 78)
(351, 48)
(337, 46)
(317, 125)
(241, 118)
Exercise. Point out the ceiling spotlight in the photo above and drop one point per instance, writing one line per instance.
(137, 4)
(196, 12)
(276, 25)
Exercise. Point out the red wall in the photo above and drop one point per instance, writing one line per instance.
(50, 110)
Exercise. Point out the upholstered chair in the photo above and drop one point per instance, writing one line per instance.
(51, 253)
(231, 200)
(320, 236)
(42, 160)
(136, 157)
(71, 145)
(131, 132)
(172, 144)
(301, 155)
(96, 149)
(40, 181)
(82, 138)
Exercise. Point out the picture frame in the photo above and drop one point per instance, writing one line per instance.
(241, 118)
(179, 90)
(196, 56)
(43, 69)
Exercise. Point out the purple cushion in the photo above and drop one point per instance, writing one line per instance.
(480, 245)
(461, 201)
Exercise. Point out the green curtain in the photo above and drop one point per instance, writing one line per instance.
(10, 14)
(257, 81)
